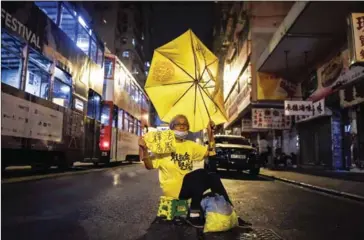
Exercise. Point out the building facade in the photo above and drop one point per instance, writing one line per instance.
(324, 54)
(242, 32)
(125, 29)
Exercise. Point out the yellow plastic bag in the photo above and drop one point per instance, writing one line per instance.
(161, 142)
(219, 214)
(217, 222)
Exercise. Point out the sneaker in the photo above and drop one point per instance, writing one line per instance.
(196, 222)
(243, 224)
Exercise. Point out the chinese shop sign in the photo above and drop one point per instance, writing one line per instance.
(352, 95)
(356, 37)
(335, 75)
(298, 108)
(318, 109)
(268, 118)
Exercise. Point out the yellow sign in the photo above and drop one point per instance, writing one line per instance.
(270, 87)
(356, 42)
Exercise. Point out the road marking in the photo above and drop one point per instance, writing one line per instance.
(317, 189)
(63, 174)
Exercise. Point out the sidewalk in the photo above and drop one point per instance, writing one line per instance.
(333, 182)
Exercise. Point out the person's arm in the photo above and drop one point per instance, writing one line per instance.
(144, 155)
(211, 141)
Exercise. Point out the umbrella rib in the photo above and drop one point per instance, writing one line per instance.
(176, 65)
(194, 110)
(209, 72)
(203, 72)
(206, 83)
(207, 66)
(194, 55)
(212, 100)
(211, 62)
(182, 95)
(203, 100)
(167, 84)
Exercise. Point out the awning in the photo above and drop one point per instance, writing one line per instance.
(313, 29)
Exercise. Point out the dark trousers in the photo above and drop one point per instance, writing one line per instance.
(196, 183)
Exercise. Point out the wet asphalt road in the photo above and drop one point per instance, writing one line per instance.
(121, 203)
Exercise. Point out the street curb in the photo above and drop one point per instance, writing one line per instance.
(319, 189)
(55, 175)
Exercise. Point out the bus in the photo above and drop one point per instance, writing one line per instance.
(124, 114)
(52, 80)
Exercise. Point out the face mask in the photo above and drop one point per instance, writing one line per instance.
(180, 134)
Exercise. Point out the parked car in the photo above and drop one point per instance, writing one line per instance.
(233, 152)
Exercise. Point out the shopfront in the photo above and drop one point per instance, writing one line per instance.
(352, 102)
(333, 139)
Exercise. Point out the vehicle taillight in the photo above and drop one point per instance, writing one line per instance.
(105, 145)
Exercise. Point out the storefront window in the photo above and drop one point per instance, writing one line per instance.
(11, 60)
(68, 23)
(38, 77)
(83, 39)
(50, 9)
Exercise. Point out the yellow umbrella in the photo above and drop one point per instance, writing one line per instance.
(182, 80)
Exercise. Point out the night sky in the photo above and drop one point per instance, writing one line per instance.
(171, 19)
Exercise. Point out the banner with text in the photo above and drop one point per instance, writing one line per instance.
(334, 75)
(268, 118)
(270, 87)
(356, 37)
(318, 110)
(24, 119)
(298, 108)
(352, 95)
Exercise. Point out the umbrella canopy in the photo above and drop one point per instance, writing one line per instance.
(182, 80)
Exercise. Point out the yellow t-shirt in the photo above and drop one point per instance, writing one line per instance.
(173, 167)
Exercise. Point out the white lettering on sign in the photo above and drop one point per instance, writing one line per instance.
(14, 24)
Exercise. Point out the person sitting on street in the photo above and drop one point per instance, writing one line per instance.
(176, 175)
